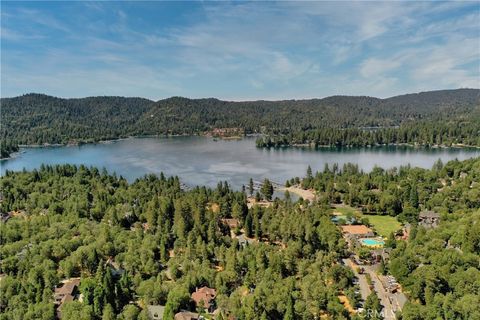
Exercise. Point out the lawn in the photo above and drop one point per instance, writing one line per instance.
(384, 225)
(345, 210)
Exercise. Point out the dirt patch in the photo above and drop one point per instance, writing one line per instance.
(214, 207)
(263, 203)
(346, 303)
(305, 194)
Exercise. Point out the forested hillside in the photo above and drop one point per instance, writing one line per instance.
(38, 119)
(456, 132)
(73, 222)
(150, 242)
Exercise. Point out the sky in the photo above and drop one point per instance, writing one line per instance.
(238, 50)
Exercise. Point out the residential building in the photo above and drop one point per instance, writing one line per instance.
(429, 219)
(187, 315)
(68, 291)
(155, 312)
(231, 223)
(381, 255)
(204, 297)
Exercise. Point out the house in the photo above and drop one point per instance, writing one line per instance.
(67, 292)
(115, 268)
(244, 241)
(4, 216)
(187, 315)
(227, 132)
(204, 297)
(155, 312)
(381, 255)
(405, 232)
(231, 223)
(429, 219)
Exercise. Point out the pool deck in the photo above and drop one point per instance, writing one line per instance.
(372, 242)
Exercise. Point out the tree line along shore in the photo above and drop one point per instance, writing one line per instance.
(445, 117)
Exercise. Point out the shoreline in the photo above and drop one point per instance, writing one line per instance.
(236, 138)
(305, 194)
(312, 146)
(79, 143)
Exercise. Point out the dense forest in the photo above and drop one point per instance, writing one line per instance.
(420, 133)
(150, 242)
(7, 148)
(39, 119)
(167, 242)
(402, 191)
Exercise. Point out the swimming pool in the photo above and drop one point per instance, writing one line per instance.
(372, 242)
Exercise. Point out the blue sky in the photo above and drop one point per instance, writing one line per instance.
(238, 50)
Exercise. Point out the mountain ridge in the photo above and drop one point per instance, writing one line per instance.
(249, 100)
(39, 118)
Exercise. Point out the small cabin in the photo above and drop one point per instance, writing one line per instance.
(429, 219)
(155, 312)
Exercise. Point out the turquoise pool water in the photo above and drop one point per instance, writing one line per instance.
(372, 242)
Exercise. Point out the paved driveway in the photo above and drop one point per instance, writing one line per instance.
(391, 302)
(362, 281)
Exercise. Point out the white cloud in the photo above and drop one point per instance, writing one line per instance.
(373, 67)
(41, 18)
(277, 50)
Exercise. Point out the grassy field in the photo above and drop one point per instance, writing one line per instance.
(384, 225)
(344, 210)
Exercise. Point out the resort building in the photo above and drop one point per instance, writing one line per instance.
(353, 234)
(357, 231)
(429, 219)
(204, 297)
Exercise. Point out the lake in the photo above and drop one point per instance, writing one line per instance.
(203, 161)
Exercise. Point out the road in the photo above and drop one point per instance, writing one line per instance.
(391, 302)
(362, 281)
(383, 295)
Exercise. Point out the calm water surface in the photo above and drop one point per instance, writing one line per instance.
(203, 161)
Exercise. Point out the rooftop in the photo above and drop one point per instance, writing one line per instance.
(155, 312)
(68, 287)
(356, 229)
(186, 315)
(204, 294)
(429, 214)
(231, 223)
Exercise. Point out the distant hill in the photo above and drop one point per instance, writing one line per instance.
(38, 118)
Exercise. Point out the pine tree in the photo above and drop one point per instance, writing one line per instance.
(248, 225)
(414, 196)
(108, 313)
(289, 313)
(267, 189)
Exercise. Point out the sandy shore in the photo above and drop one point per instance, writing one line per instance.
(305, 194)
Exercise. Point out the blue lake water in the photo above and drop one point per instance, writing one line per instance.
(203, 161)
